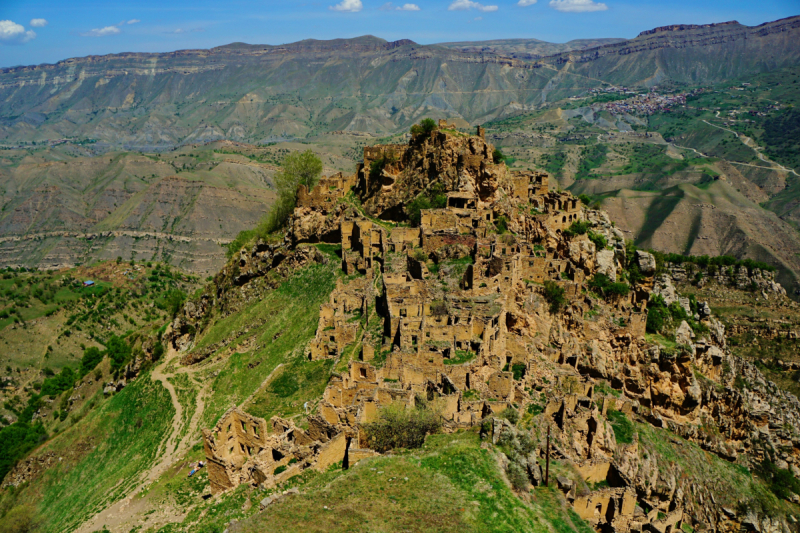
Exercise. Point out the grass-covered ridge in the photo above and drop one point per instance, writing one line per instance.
(451, 484)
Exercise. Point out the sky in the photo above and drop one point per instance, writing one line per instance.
(46, 31)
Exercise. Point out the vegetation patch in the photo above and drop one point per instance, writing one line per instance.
(401, 427)
(623, 428)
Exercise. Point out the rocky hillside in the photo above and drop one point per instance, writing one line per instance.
(119, 155)
(257, 93)
(61, 209)
(435, 284)
(694, 171)
(512, 309)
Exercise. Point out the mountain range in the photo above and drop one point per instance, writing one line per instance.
(166, 156)
(262, 93)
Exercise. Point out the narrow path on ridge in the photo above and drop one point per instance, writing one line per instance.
(122, 515)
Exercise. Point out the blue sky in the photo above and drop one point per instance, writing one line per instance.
(45, 31)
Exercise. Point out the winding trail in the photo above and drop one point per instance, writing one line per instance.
(125, 514)
(750, 143)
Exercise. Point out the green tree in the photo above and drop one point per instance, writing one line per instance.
(555, 296)
(423, 130)
(299, 168)
(399, 427)
(498, 156)
(119, 352)
(91, 358)
(174, 300)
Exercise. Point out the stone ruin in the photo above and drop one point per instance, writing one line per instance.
(454, 311)
(243, 448)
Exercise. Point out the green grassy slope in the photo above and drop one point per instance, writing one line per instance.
(449, 485)
(104, 454)
(280, 325)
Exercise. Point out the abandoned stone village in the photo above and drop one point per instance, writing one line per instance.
(450, 307)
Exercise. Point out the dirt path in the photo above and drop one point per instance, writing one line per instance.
(750, 143)
(127, 512)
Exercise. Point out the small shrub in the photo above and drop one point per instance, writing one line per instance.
(119, 352)
(432, 198)
(398, 427)
(677, 311)
(601, 284)
(517, 476)
(657, 314)
(498, 156)
(91, 358)
(501, 223)
(510, 414)
(600, 242)
(280, 470)
(577, 228)
(554, 295)
(158, 351)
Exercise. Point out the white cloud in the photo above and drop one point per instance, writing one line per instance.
(38, 23)
(13, 33)
(478, 18)
(526, 3)
(348, 6)
(182, 30)
(133, 21)
(408, 7)
(101, 32)
(577, 6)
(460, 5)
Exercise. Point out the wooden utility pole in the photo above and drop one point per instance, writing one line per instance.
(547, 460)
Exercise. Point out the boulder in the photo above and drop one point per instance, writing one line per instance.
(646, 263)
(564, 484)
(582, 252)
(606, 264)
(684, 334)
(666, 289)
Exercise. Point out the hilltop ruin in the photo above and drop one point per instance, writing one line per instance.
(459, 311)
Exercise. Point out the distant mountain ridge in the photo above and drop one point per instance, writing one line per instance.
(257, 93)
(533, 48)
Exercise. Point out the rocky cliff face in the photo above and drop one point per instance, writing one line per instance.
(497, 303)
